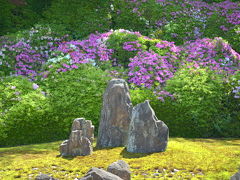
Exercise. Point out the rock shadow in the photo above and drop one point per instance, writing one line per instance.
(129, 155)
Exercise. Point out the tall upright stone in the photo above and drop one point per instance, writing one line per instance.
(115, 115)
(146, 133)
(80, 140)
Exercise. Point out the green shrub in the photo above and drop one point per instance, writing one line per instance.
(23, 113)
(76, 93)
(200, 95)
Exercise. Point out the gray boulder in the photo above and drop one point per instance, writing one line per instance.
(44, 177)
(99, 174)
(115, 115)
(80, 140)
(121, 169)
(236, 176)
(146, 133)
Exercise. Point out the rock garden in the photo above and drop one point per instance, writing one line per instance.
(123, 89)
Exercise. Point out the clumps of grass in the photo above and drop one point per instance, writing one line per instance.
(184, 159)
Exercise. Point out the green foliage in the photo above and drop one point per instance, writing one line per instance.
(200, 94)
(217, 26)
(6, 16)
(23, 113)
(16, 17)
(123, 17)
(79, 17)
(76, 93)
(233, 37)
(31, 115)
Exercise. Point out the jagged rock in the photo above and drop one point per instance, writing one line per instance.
(115, 115)
(44, 177)
(146, 133)
(236, 176)
(99, 174)
(85, 126)
(121, 169)
(80, 140)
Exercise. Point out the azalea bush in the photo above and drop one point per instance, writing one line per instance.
(27, 53)
(215, 53)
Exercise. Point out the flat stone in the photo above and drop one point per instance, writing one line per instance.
(115, 115)
(146, 133)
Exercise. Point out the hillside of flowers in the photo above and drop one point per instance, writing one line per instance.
(184, 56)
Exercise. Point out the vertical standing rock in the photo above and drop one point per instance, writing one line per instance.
(80, 140)
(146, 134)
(115, 115)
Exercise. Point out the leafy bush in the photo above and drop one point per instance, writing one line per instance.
(200, 96)
(76, 93)
(23, 113)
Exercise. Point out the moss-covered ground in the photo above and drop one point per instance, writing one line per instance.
(205, 159)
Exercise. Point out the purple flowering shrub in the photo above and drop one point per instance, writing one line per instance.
(27, 54)
(214, 53)
(150, 70)
(91, 50)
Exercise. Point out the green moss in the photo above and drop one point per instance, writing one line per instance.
(184, 159)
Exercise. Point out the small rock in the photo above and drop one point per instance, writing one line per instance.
(99, 174)
(80, 140)
(121, 169)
